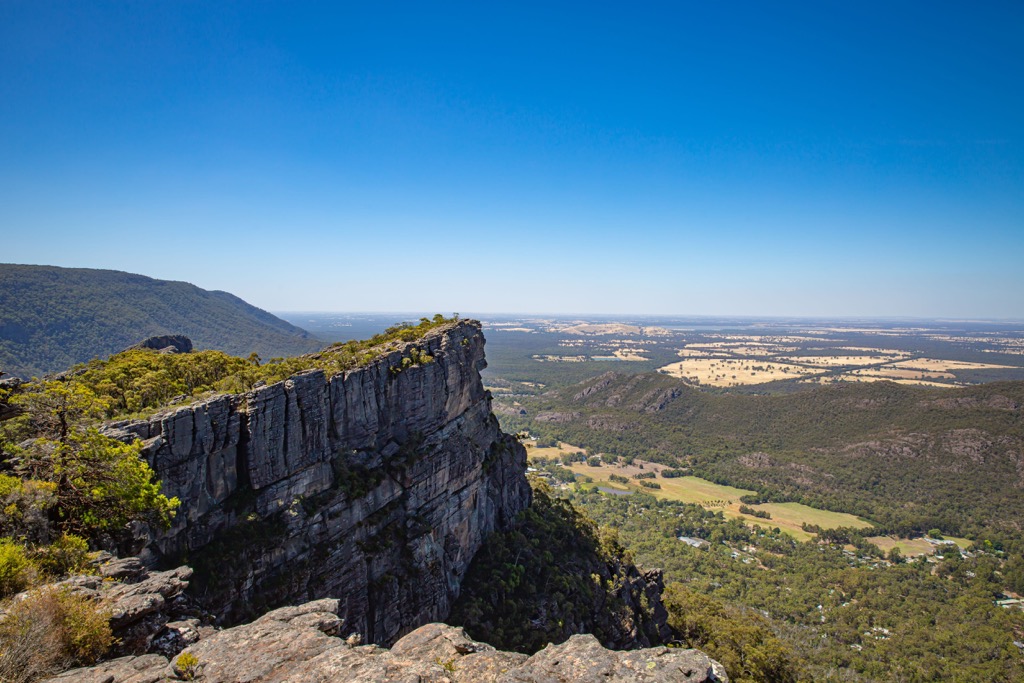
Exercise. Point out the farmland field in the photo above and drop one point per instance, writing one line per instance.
(729, 372)
(912, 547)
(789, 517)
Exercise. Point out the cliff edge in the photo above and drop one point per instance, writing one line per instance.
(375, 486)
(301, 644)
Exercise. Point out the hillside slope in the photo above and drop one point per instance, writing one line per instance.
(52, 318)
(909, 459)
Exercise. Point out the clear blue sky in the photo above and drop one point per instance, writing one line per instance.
(760, 158)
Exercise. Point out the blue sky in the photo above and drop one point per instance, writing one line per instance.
(818, 158)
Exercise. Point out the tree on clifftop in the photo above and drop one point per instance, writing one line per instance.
(86, 483)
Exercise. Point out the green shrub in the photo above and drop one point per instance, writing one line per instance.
(671, 473)
(16, 568)
(69, 554)
(186, 666)
(24, 508)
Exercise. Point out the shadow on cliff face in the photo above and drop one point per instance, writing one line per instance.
(553, 575)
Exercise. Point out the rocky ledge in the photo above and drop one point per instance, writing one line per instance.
(303, 644)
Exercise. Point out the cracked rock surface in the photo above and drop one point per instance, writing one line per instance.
(301, 645)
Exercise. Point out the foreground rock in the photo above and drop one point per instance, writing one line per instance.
(302, 645)
(149, 611)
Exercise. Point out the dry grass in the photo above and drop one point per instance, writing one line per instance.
(731, 372)
(699, 353)
(939, 365)
(838, 361)
(881, 376)
(49, 631)
(906, 373)
(532, 450)
(872, 350)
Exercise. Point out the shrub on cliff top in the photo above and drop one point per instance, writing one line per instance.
(71, 479)
(49, 631)
(138, 381)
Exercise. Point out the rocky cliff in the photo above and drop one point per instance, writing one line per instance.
(301, 645)
(375, 486)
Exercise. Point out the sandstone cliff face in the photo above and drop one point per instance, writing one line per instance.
(376, 487)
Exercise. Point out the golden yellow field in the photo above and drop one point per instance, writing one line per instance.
(699, 353)
(730, 372)
(938, 365)
(859, 376)
(872, 350)
(549, 451)
(630, 354)
(894, 372)
(838, 361)
(741, 348)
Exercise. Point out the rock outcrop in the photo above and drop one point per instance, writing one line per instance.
(375, 486)
(148, 610)
(301, 645)
(168, 343)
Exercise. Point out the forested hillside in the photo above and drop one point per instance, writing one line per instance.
(52, 318)
(909, 459)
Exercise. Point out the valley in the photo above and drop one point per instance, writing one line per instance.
(608, 478)
(879, 454)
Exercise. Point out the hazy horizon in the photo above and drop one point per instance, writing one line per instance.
(651, 316)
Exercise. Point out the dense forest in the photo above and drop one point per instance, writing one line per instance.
(52, 318)
(555, 573)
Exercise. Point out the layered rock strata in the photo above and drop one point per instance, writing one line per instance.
(375, 486)
(300, 645)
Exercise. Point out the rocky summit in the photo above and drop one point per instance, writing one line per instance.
(302, 645)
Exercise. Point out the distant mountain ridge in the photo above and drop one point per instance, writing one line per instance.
(52, 318)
